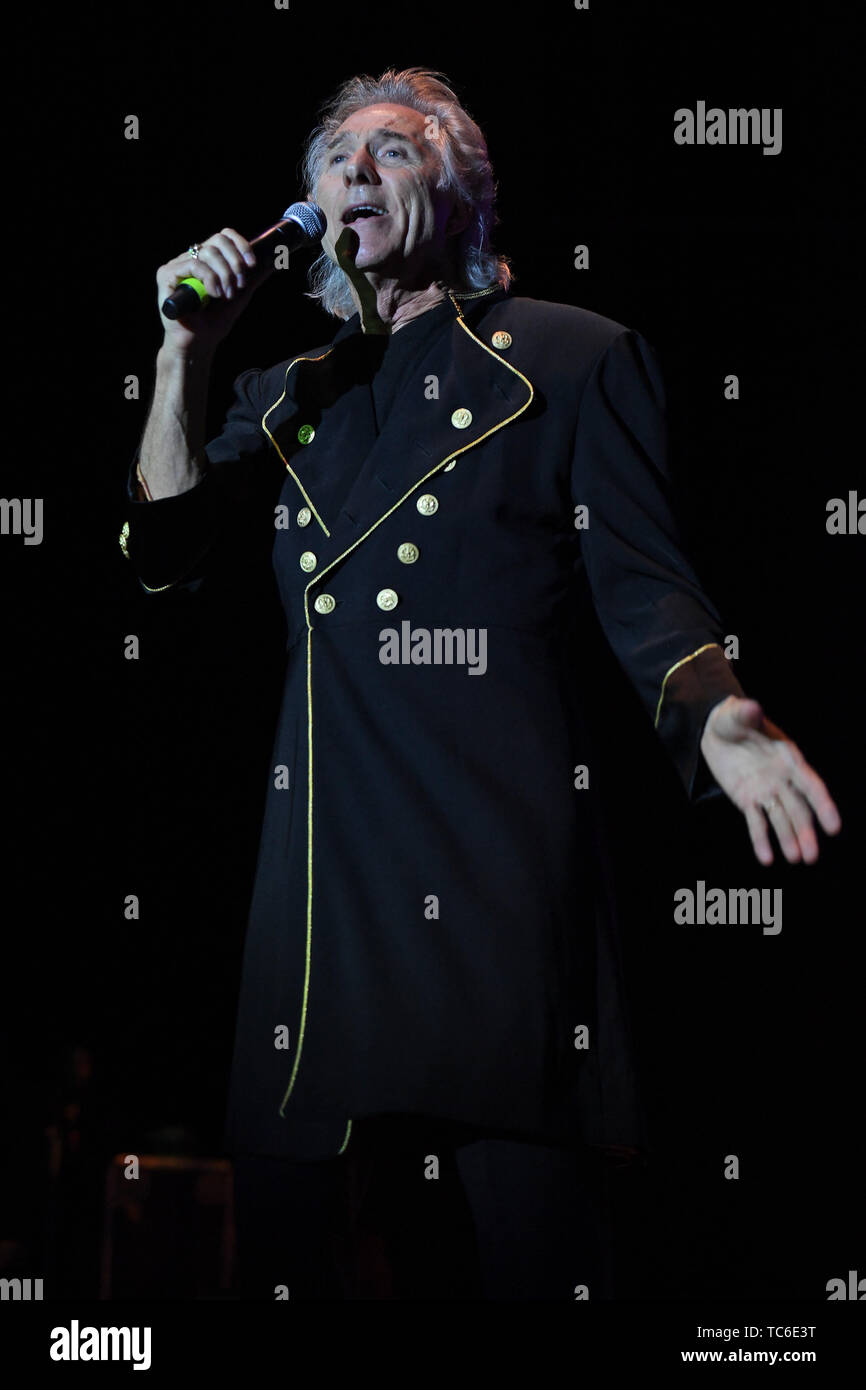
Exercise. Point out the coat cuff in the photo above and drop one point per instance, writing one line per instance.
(690, 690)
(165, 539)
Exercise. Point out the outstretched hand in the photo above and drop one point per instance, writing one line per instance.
(766, 776)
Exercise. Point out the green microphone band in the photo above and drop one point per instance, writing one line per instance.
(195, 285)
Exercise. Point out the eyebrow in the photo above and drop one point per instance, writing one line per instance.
(382, 130)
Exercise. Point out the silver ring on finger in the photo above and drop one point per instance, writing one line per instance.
(194, 250)
(768, 805)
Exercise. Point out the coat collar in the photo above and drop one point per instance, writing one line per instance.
(469, 302)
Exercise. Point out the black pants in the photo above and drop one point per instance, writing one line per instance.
(424, 1209)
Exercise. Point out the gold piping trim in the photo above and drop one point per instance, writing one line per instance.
(474, 294)
(181, 577)
(676, 667)
(159, 589)
(309, 941)
(317, 579)
(307, 498)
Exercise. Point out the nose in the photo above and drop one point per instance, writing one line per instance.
(360, 167)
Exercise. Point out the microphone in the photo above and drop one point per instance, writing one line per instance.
(300, 225)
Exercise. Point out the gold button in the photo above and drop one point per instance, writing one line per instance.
(427, 504)
(305, 516)
(306, 434)
(461, 418)
(123, 538)
(408, 553)
(501, 340)
(308, 561)
(387, 599)
(325, 603)
(449, 466)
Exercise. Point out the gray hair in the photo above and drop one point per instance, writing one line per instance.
(465, 171)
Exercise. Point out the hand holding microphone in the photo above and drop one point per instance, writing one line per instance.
(223, 272)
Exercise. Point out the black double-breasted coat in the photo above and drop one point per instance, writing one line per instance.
(429, 931)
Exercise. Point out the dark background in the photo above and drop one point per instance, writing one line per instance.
(147, 777)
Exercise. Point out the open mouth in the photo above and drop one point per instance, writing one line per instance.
(362, 210)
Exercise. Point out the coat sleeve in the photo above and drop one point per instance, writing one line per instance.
(663, 629)
(170, 540)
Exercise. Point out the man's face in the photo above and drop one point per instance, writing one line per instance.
(381, 158)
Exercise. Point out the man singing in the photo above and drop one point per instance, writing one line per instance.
(446, 490)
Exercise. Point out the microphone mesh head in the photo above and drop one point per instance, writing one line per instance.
(310, 217)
